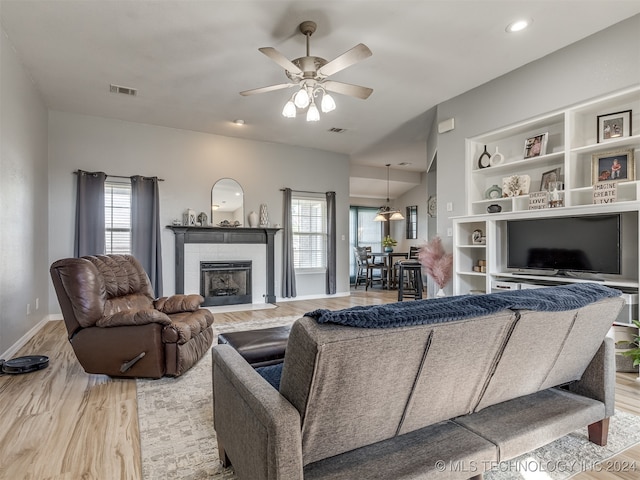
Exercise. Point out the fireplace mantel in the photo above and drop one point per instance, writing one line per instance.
(239, 235)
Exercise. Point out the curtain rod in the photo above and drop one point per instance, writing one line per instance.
(118, 176)
(304, 191)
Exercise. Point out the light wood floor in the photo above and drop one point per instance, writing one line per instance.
(62, 423)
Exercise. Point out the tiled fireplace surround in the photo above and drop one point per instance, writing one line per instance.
(196, 244)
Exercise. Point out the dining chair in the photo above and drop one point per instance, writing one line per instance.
(370, 268)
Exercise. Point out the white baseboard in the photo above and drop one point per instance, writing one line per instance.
(312, 297)
(13, 349)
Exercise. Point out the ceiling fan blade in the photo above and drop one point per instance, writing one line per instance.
(348, 58)
(280, 59)
(270, 88)
(347, 89)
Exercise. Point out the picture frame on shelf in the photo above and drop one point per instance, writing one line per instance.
(536, 146)
(617, 165)
(614, 125)
(548, 177)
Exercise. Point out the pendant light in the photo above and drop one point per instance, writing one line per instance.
(388, 213)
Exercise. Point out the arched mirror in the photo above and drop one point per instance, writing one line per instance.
(227, 203)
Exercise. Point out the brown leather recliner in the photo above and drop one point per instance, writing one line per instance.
(116, 327)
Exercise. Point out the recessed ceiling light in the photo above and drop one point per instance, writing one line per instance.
(239, 121)
(518, 25)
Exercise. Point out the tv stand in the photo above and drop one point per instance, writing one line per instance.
(581, 275)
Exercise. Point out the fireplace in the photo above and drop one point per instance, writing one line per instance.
(226, 282)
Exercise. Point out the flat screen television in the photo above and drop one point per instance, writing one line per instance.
(565, 245)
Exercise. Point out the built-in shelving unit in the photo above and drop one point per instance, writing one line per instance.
(571, 144)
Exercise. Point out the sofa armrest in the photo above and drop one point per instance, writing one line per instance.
(143, 316)
(258, 428)
(599, 379)
(178, 303)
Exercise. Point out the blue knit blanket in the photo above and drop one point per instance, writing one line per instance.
(446, 309)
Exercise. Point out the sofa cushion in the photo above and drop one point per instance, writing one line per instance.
(412, 456)
(526, 423)
(447, 309)
(459, 359)
(548, 350)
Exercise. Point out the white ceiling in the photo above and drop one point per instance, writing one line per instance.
(189, 59)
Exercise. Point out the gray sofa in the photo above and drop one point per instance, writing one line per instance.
(441, 398)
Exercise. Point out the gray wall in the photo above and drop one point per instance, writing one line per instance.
(23, 202)
(602, 63)
(190, 163)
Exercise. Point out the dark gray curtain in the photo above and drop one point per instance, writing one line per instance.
(288, 270)
(331, 242)
(89, 234)
(145, 228)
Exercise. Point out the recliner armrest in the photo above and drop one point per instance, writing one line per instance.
(259, 429)
(141, 316)
(178, 303)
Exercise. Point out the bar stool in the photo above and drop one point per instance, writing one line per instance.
(409, 279)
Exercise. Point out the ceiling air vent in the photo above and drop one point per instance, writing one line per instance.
(124, 90)
(337, 130)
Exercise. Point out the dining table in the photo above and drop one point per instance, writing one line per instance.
(388, 260)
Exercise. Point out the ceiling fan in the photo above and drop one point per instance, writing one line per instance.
(310, 74)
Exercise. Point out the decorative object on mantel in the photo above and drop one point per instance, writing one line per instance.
(556, 194)
(515, 185)
(253, 219)
(228, 224)
(494, 191)
(189, 218)
(614, 125)
(605, 192)
(496, 159)
(494, 208)
(437, 263)
(538, 200)
(478, 238)
(264, 216)
(203, 219)
(484, 160)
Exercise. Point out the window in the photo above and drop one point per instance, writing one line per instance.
(309, 222)
(412, 222)
(117, 217)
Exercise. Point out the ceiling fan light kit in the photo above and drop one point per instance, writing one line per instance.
(310, 75)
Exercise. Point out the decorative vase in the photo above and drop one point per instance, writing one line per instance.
(264, 216)
(484, 160)
(253, 219)
(497, 158)
(440, 293)
(388, 249)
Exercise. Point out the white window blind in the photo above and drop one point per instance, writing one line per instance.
(309, 222)
(117, 217)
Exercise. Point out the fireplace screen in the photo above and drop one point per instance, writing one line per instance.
(225, 283)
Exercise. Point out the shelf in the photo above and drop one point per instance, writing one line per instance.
(616, 144)
(472, 274)
(572, 139)
(517, 165)
(628, 283)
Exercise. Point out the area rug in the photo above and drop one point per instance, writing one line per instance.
(178, 440)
